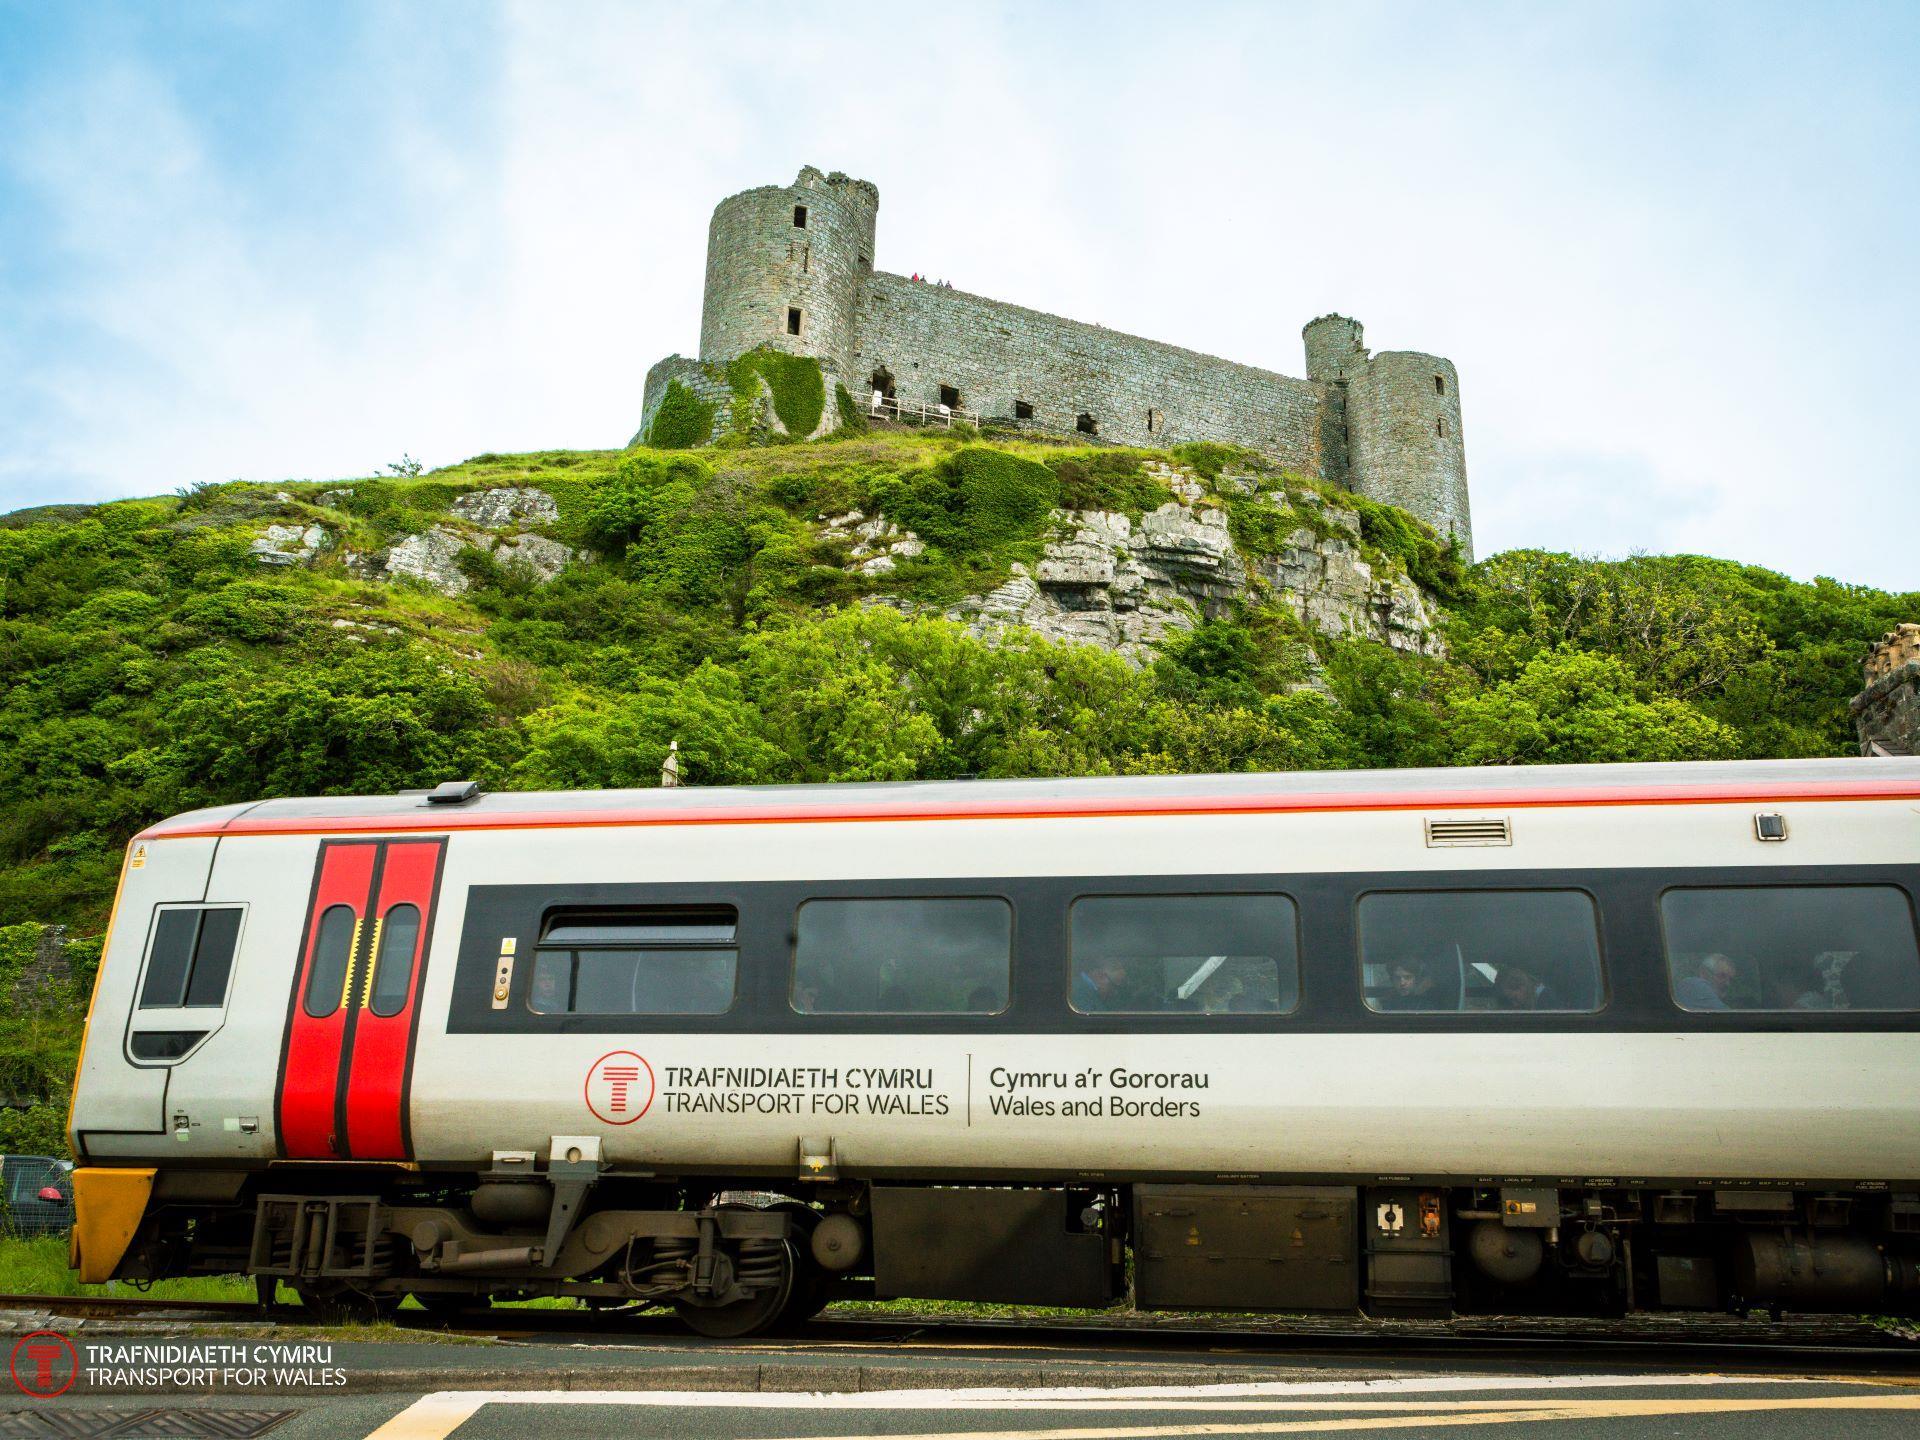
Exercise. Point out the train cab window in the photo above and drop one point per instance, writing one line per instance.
(642, 960)
(1480, 951)
(1791, 947)
(945, 956)
(332, 948)
(393, 967)
(1172, 954)
(191, 958)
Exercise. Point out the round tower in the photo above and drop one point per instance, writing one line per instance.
(785, 266)
(1334, 348)
(1403, 440)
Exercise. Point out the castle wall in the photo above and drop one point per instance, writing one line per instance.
(996, 354)
(1404, 444)
(696, 377)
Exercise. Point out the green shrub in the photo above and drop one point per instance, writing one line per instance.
(799, 389)
(973, 501)
(683, 420)
(1258, 526)
(852, 419)
(253, 611)
(1209, 459)
(1432, 564)
(1107, 480)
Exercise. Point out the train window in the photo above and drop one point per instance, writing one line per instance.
(393, 967)
(1475, 951)
(1168, 954)
(191, 958)
(642, 960)
(903, 957)
(332, 949)
(1791, 947)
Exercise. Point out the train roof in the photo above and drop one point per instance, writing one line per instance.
(1481, 787)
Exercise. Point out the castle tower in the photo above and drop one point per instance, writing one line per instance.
(785, 265)
(1402, 413)
(1334, 350)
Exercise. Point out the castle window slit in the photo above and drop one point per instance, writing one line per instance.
(799, 217)
(1440, 428)
(1439, 384)
(1086, 424)
(1023, 409)
(793, 320)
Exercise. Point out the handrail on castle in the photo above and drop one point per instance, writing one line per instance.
(918, 412)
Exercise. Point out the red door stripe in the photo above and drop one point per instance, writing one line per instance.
(374, 1101)
(310, 1071)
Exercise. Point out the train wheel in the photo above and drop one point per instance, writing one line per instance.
(761, 1310)
(808, 1296)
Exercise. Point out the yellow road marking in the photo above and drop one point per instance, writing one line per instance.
(432, 1417)
(1436, 1413)
(437, 1416)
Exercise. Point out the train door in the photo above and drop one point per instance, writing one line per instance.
(356, 992)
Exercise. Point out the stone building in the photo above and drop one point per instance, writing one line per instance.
(1887, 713)
(791, 267)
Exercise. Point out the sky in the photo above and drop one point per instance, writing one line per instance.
(1674, 250)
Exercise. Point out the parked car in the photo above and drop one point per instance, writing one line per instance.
(39, 1194)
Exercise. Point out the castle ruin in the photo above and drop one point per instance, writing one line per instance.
(791, 268)
(1886, 714)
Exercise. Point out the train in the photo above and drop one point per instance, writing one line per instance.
(1530, 1040)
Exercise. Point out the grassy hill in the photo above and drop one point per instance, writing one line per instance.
(153, 662)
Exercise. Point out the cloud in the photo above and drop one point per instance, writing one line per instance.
(1678, 289)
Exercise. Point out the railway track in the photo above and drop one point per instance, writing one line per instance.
(1680, 1342)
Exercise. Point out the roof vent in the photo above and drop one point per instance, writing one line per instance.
(1497, 831)
(454, 792)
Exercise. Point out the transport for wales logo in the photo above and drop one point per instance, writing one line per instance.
(619, 1087)
(44, 1364)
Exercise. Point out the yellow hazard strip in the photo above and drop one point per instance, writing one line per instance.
(353, 957)
(373, 954)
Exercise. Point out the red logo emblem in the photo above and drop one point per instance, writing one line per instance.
(619, 1087)
(44, 1364)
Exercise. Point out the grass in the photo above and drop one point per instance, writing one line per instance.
(38, 1266)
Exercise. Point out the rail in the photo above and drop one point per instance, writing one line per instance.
(918, 412)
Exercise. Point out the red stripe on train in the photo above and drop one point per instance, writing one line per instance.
(439, 819)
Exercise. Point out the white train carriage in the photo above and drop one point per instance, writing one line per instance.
(1571, 1038)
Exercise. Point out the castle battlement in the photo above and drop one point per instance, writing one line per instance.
(791, 267)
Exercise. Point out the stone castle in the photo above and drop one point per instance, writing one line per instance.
(791, 268)
(1886, 714)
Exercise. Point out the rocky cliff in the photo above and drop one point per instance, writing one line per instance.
(1189, 548)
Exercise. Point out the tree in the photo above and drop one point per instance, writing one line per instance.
(1567, 707)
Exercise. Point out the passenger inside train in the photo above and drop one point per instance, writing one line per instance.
(1791, 948)
(1446, 952)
